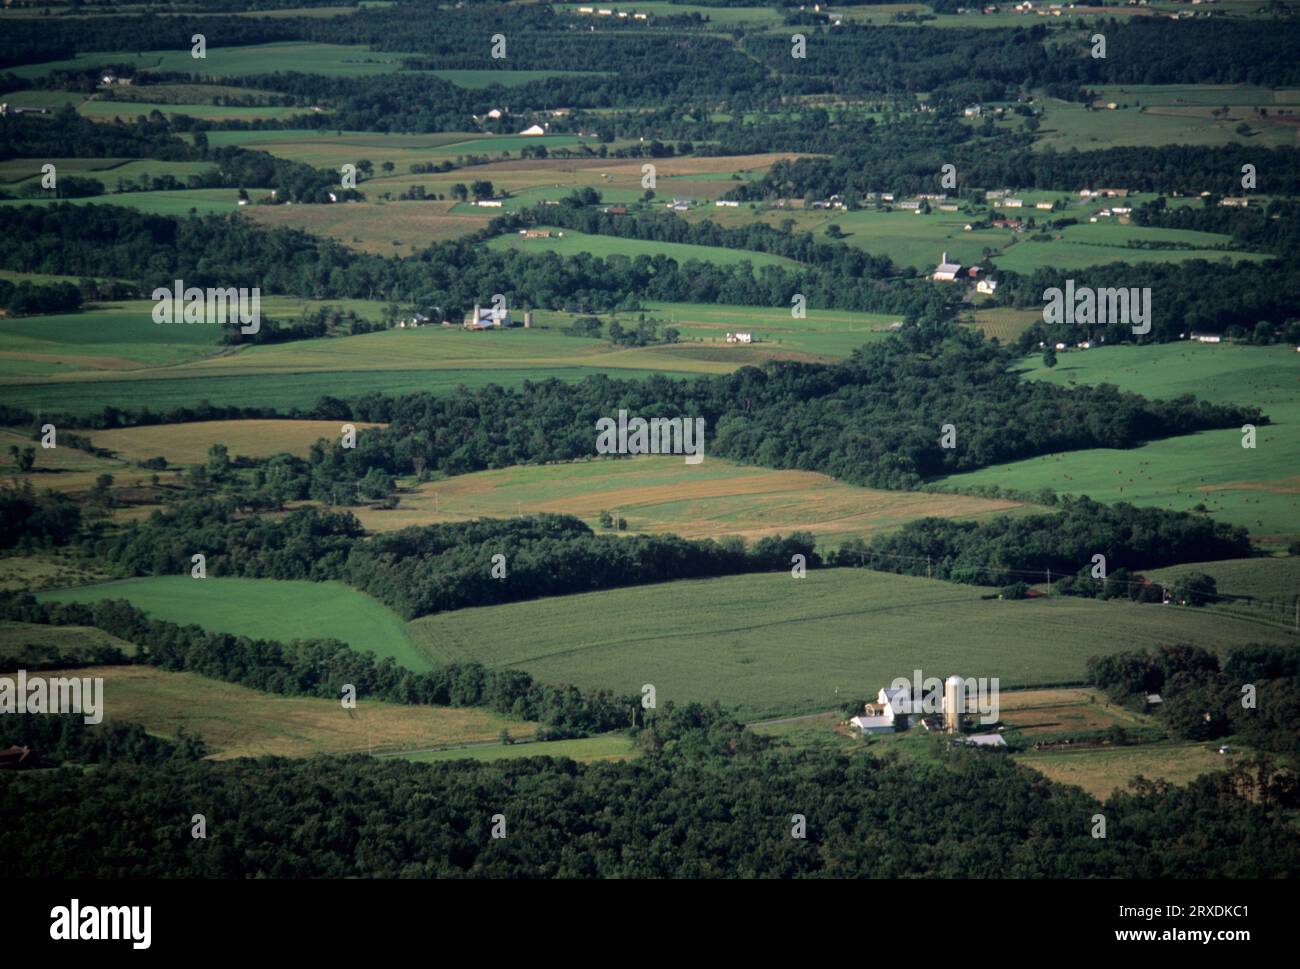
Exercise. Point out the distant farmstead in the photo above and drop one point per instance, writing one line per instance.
(946, 271)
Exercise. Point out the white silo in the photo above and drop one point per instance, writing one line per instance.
(953, 701)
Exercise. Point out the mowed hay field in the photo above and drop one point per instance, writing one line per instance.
(236, 721)
(772, 644)
(584, 750)
(381, 228)
(664, 494)
(189, 443)
(567, 242)
(1102, 770)
(263, 609)
(1258, 487)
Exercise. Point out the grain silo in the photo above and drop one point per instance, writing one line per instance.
(953, 701)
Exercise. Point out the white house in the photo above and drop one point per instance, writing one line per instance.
(1013, 203)
(987, 286)
(489, 203)
(740, 338)
(727, 203)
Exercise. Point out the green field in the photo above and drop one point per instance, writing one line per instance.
(128, 111)
(330, 60)
(202, 201)
(263, 608)
(1067, 125)
(477, 80)
(329, 149)
(1258, 488)
(1095, 244)
(1265, 588)
(572, 243)
(773, 645)
(611, 746)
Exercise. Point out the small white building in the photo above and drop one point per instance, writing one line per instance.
(727, 204)
(1207, 337)
(740, 338)
(987, 286)
(533, 130)
(946, 271)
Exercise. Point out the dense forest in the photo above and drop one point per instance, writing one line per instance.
(705, 799)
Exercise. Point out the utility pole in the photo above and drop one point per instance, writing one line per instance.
(928, 574)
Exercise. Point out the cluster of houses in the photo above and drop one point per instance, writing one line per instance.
(483, 318)
(609, 12)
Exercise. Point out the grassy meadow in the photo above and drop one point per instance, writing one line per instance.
(570, 243)
(236, 721)
(186, 444)
(263, 608)
(771, 645)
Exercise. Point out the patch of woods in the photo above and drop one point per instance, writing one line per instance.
(1008, 550)
(876, 419)
(706, 798)
(426, 569)
(1251, 695)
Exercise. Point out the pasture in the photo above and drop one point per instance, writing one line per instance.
(1258, 487)
(197, 201)
(570, 243)
(1102, 770)
(72, 643)
(236, 721)
(330, 60)
(585, 750)
(188, 443)
(663, 494)
(1066, 125)
(263, 609)
(772, 645)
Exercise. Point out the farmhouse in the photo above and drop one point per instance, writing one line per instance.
(17, 758)
(987, 286)
(487, 318)
(727, 204)
(946, 271)
(740, 338)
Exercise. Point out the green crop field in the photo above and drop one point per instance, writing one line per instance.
(128, 111)
(477, 80)
(330, 149)
(16, 171)
(611, 746)
(202, 201)
(773, 645)
(330, 60)
(572, 243)
(664, 494)
(1258, 488)
(1266, 589)
(263, 608)
(827, 333)
(1095, 244)
(1067, 125)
